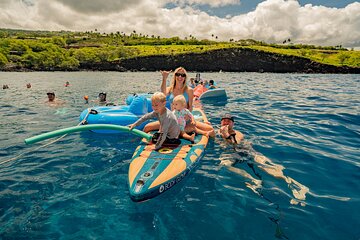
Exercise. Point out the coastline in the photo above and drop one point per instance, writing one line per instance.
(228, 60)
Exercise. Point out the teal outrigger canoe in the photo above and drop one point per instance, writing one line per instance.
(152, 173)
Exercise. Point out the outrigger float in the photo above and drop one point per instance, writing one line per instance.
(151, 172)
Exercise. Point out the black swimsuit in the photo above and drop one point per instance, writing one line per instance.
(233, 136)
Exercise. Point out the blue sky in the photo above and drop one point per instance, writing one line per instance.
(249, 5)
(317, 22)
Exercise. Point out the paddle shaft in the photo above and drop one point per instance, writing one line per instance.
(81, 128)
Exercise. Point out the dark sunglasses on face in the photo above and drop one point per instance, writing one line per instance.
(180, 74)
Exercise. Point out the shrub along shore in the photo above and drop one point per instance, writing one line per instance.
(22, 50)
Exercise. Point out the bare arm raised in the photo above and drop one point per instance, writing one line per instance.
(165, 75)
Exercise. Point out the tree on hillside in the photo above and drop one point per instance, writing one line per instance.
(3, 60)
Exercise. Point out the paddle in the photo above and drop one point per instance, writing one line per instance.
(80, 128)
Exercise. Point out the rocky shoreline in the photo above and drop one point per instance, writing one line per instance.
(227, 60)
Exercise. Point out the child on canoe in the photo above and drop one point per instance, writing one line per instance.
(169, 128)
(184, 116)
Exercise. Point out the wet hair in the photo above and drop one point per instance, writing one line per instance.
(173, 81)
(158, 97)
(180, 99)
(211, 82)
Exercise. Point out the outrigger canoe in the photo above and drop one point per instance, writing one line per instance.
(152, 173)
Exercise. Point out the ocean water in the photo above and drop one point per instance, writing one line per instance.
(296, 176)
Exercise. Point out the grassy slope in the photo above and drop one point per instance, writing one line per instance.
(332, 57)
(136, 45)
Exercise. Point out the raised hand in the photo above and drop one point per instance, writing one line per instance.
(165, 73)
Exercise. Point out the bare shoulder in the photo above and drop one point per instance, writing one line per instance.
(239, 136)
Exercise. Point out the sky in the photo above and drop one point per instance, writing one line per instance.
(318, 22)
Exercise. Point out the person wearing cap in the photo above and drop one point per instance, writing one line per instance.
(52, 100)
(232, 136)
(226, 130)
(51, 96)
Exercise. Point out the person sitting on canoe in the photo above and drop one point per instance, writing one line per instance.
(169, 128)
(227, 132)
(177, 87)
(200, 89)
(183, 115)
(192, 83)
(211, 84)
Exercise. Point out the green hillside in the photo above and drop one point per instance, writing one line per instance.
(67, 50)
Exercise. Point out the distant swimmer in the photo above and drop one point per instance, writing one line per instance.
(5, 86)
(28, 85)
(102, 98)
(52, 100)
(244, 150)
(67, 84)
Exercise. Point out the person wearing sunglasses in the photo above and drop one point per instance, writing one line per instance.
(178, 86)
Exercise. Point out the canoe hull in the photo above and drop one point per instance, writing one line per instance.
(213, 94)
(152, 173)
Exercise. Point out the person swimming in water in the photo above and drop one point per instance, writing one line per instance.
(244, 150)
(52, 100)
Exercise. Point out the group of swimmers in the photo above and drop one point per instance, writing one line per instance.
(5, 86)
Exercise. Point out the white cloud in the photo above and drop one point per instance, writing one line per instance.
(271, 21)
(212, 3)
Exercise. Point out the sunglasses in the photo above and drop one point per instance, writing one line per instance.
(180, 74)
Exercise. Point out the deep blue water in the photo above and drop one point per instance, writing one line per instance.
(76, 188)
